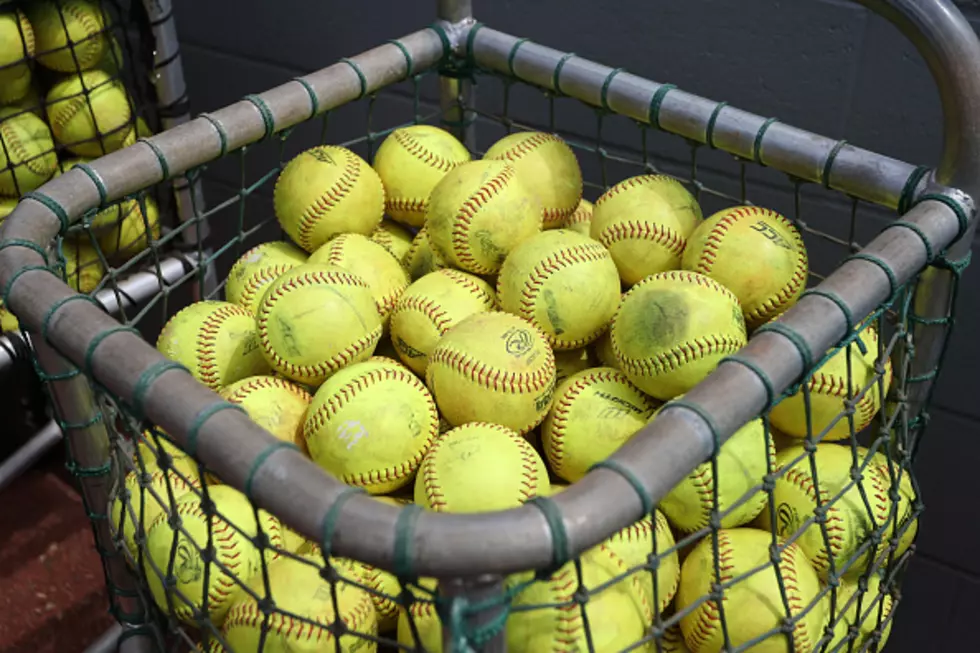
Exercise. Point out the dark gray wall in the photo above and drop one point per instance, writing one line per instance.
(824, 65)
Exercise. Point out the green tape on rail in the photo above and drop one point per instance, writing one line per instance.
(222, 134)
(884, 267)
(5, 294)
(470, 40)
(204, 415)
(952, 205)
(329, 526)
(759, 373)
(513, 54)
(917, 230)
(834, 297)
(802, 348)
(829, 163)
(630, 478)
(908, 190)
(260, 459)
(603, 101)
(560, 549)
(97, 340)
(704, 415)
(360, 75)
(96, 180)
(709, 131)
(314, 101)
(161, 159)
(52, 205)
(404, 535)
(58, 304)
(268, 120)
(26, 244)
(653, 113)
(146, 379)
(409, 62)
(556, 76)
(759, 135)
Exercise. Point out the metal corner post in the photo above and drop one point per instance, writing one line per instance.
(948, 44)
(456, 95)
(168, 79)
(90, 454)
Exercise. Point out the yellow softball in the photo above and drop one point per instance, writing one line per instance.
(394, 238)
(593, 413)
(478, 213)
(832, 390)
(8, 321)
(548, 167)
(388, 588)
(602, 350)
(139, 227)
(89, 113)
(907, 506)
(180, 554)
(672, 329)
(411, 161)
(572, 361)
(216, 341)
(315, 319)
(849, 523)
(83, 267)
(644, 222)
(153, 446)
(16, 47)
(370, 261)
(634, 544)
(423, 614)
(430, 307)
(580, 220)
(493, 367)
(146, 495)
(370, 425)
(756, 253)
(307, 607)
(480, 467)
(254, 270)
(564, 283)
(27, 156)
(753, 606)
(70, 34)
(742, 465)
(874, 605)
(325, 191)
(421, 259)
(617, 616)
(275, 404)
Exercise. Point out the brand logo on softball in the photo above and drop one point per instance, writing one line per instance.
(771, 234)
(787, 519)
(518, 342)
(351, 432)
(322, 156)
(187, 563)
(408, 349)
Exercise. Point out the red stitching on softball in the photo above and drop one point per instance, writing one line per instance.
(90, 42)
(563, 404)
(580, 215)
(642, 230)
(709, 616)
(495, 379)
(551, 215)
(423, 154)
(336, 256)
(784, 294)
(428, 307)
(330, 197)
(430, 480)
(795, 602)
(248, 615)
(635, 182)
(385, 606)
(260, 383)
(464, 218)
(467, 282)
(406, 204)
(539, 275)
(207, 341)
(692, 350)
(313, 278)
(346, 393)
(834, 523)
(16, 148)
(259, 280)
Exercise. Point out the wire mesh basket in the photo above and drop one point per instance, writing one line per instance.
(771, 507)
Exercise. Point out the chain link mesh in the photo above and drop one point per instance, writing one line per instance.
(793, 542)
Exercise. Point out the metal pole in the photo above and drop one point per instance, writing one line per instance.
(108, 642)
(456, 95)
(25, 457)
(89, 454)
(483, 589)
(174, 109)
(949, 46)
(128, 293)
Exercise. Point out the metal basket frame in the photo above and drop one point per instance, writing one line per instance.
(470, 553)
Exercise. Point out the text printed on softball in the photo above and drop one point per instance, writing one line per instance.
(351, 432)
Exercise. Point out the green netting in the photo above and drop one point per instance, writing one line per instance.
(798, 529)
